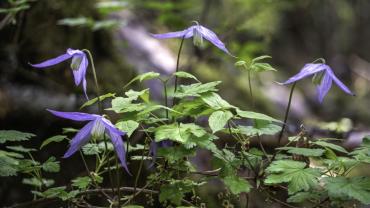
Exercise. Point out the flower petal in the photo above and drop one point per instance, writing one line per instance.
(119, 148)
(187, 33)
(307, 70)
(80, 74)
(81, 138)
(111, 127)
(338, 82)
(212, 37)
(324, 87)
(52, 61)
(75, 116)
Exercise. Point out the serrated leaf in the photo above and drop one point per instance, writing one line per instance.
(142, 77)
(133, 206)
(127, 126)
(57, 138)
(254, 115)
(12, 136)
(218, 119)
(81, 182)
(183, 74)
(9, 164)
(94, 100)
(294, 173)
(236, 184)
(303, 151)
(91, 149)
(20, 148)
(215, 101)
(175, 191)
(194, 90)
(331, 146)
(51, 165)
(182, 133)
(341, 188)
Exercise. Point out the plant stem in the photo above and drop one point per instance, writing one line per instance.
(165, 96)
(100, 106)
(118, 183)
(286, 113)
(177, 67)
(250, 87)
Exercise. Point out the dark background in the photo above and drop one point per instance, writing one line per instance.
(292, 32)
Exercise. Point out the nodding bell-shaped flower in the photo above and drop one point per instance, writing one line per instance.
(96, 127)
(323, 78)
(78, 65)
(198, 32)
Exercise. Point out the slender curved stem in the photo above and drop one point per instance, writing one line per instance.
(100, 106)
(286, 113)
(165, 96)
(177, 67)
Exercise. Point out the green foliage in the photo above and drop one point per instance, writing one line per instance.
(260, 127)
(342, 188)
(298, 177)
(196, 89)
(218, 119)
(127, 126)
(57, 138)
(12, 136)
(176, 190)
(51, 165)
(91, 149)
(236, 184)
(81, 182)
(303, 151)
(94, 100)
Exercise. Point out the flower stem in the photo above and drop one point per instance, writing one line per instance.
(100, 106)
(250, 87)
(286, 113)
(177, 67)
(165, 96)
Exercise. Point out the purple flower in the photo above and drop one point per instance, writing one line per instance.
(323, 77)
(78, 65)
(198, 32)
(97, 126)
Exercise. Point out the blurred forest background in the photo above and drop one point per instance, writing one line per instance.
(118, 34)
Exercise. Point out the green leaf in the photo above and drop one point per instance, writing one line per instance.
(294, 173)
(261, 58)
(178, 132)
(91, 149)
(133, 206)
(215, 101)
(32, 182)
(20, 148)
(218, 120)
(142, 77)
(175, 191)
(343, 188)
(196, 89)
(260, 128)
(331, 146)
(51, 165)
(94, 100)
(261, 67)
(9, 163)
(240, 63)
(303, 151)
(236, 184)
(73, 22)
(12, 136)
(127, 126)
(81, 182)
(254, 115)
(183, 74)
(57, 138)
(134, 95)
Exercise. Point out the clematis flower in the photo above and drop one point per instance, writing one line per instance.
(323, 78)
(198, 32)
(97, 126)
(78, 65)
